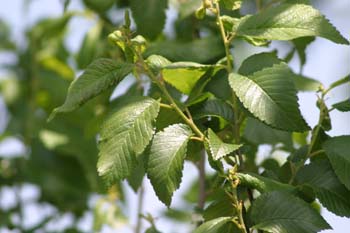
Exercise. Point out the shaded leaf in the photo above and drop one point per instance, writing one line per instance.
(189, 51)
(257, 62)
(166, 159)
(89, 47)
(149, 16)
(189, 7)
(300, 45)
(343, 106)
(278, 212)
(136, 177)
(332, 194)
(99, 5)
(124, 135)
(213, 108)
(337, 150)
(303, 83)
(259, 133)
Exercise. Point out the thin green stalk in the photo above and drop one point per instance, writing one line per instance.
(224, 38)
(314, 137)
(165, 106)
(229, 68)
(139, 209)
(173, 104)
(201, 171)
(258, 5)
(227, 41)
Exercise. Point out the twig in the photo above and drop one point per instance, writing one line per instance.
(139, 210)
(201, 170)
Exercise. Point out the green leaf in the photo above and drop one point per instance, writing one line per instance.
(136, 177)
(149, 16)
(187, 8)
(51, 27)
(98, 77)
(287, 22)
(343, 106)
(213, 108)
(270, 96)
(259, 133)
(221, 207)
(99, 5)
(337, 150)
(198, 94)
(189, 51)
(184, 75)
(219, 86)
(124, 135)
(166, 159)
(89, 47)
(5, 41)
(152, 229)
(260, 61)
(279, 212)
(340, 82)
(331, 193)
(303, 83)
(213, 226)
(157, 62)
(232, 4)
(257, 62)
(218, 148)
(300, 45)
(263, 184)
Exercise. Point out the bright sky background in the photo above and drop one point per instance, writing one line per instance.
(327, 62)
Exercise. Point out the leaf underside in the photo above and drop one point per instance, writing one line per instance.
(149, 16)
(280, 212)
(332, 194)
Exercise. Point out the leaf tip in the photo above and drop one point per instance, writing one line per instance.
(52, 115)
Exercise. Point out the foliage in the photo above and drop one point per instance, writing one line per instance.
(188, 102)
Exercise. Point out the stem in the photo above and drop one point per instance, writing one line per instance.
(313, 138)
(165, 106)
(197, 139)
(201, 170)
(258, 5)
(139, 210)
(239, 205)
(169, 98)
(317, 129)
(316, 153)
(229, 68)
(224, 38)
